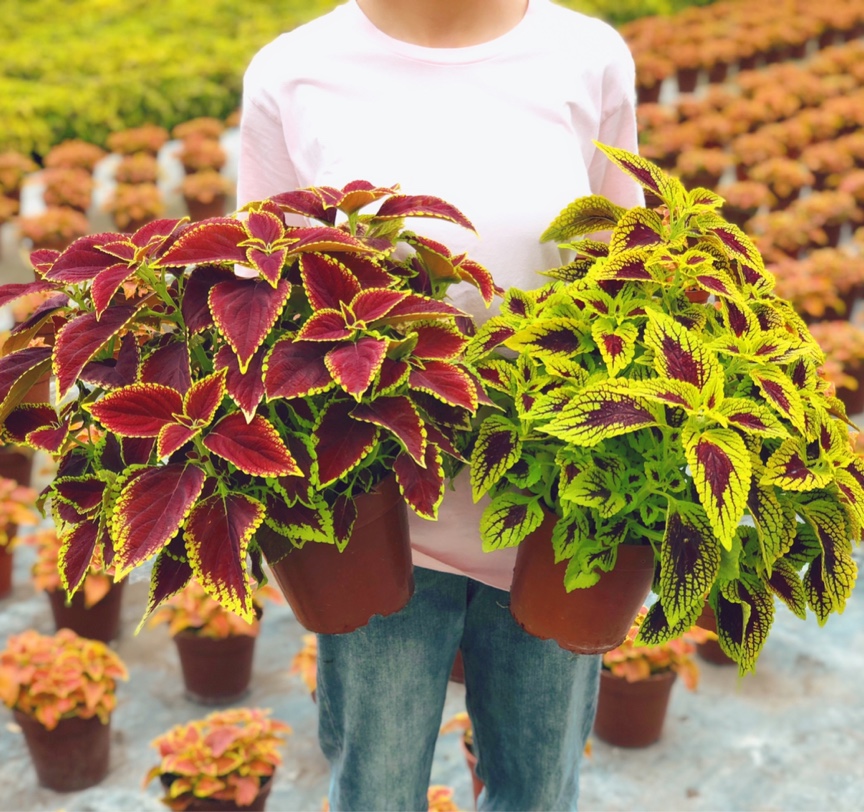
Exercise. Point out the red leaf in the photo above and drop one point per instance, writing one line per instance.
(18, 372)
(171, 573)
(415, 307)
(27, 418)
(445, 382)
(196, 307)
(328, 283)
(150, 510)
(158, 235)
(399, 416)
(371, 305)
(344, 517)
(81, 338)
(76, 554)
(265, 226)
(438, 341)
(422, 486)
(245, 310)
(172, 437)
(437, 437)
(255, 448)
(204, 397)
(9, 293)
(169, 366)
(137, 450)
(267, 262)
(217, 541)
(82, 260)
(305, 203)
(477, 275)
(325, 325)
(214, 240)
(421, 206)
(245, 388)
(323, 238)
(112, 373)
(341, 443)
(295, 369)
(354, 366)
(42, 259)
(84, 493)
(107, 283)
(367, 271)
(393, 374)
(360, 193)
(140, 410)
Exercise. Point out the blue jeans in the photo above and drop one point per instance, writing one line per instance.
(381, 693)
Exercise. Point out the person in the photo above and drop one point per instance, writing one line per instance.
(494, 106)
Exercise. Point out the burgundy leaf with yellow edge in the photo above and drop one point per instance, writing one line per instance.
(84, 493)
(76, 553)
(81, 338)
(324, 238)
(172, 437)
(447, 382)
(140, 410)
(359, 193)
(169, 366)
(215, 240)
(439, 341)
(42, 259)
(368, 273)
(344, 517)
(255, 447)
(246, 389)
(15, 290)
(392, 375)
(294, 369)
(107, 283)
(196, 307)
(203, 398)
(268, 262)
(82, 260)
(340, 442)
(112, 373)
(421, 485)
(414, 307)
(217, 533)
(18, 372)
(325, 325)
(306, 203)
(151, 508)
(245, 311)
(477, 275)
(28, 418)
(355, 365)
(171, 572)
(400, 417)
(421, 206)
(374, 304)
(328, 282)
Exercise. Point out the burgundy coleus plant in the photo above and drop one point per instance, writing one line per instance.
(214, 376)
(640, 415)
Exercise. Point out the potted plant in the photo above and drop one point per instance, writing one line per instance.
(62, 690)
(74, 154)
(703, 167)
(636, 682)
(305, 663)
(205, 193)
(17, 507)
(829, 211)
(133, 205)
(55, 228)
(68, 186)
(786, 177)
(843, 345)
(633, 420)
(138, 168)
(752, 149)
(284, 437)
(199, 153)
(743, 200)
(201, 127)
(224, 761)
(149, 138)
(461, 723)
(828, 163)
(215, 646)
(94, 610)
(14, 167)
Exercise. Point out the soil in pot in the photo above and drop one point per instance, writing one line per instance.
(215, 805)
(585, 621)
(72, 756)
(332, 592)
(98, 622)
(216, 671)
(631, 714)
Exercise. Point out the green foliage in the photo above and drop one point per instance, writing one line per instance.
(618, 12)
(85, 68)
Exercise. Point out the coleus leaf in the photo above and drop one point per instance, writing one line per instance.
(268, 262)
(169, 366)
(788, 468)
(774, 528)
(140, 410)
(616, 342)
(446, 382)
(438, 341)
(679, 354)
(246, 389)
(255, 447)
(107, 283)
(627, 266)
(324, 238)
(215, 240)
(85, 493)
(112, 373)
(371, 305)
(745, 612)
(299, 522)
(547, 338)
(780, 394)
(367, 272)
(15, 290)
(77, 547)
(569, 534)
(354, 366)
(422, 486)
(18, 372)
(497, 449)
(492, 334)
(583, 216)
(391, 376)
(328, 283)
(172, 437)
(721, 470)
(752, 418)
(636, 228)
(195, 307)
(203, 398)
(37, 425)
(786, 584)
(217, 533)
(360, 193)
(295, 369)
(477, 275)
(656, 629)
(82, 260)
(325, 325)
(508, 519)
(171, 573)
(415, 307)
(399, 206)
(149, 511)
(81, 338)
(344, 518)
(400, 417)
(340, 442)
(644, 172)
(306, 203)
(245, 310)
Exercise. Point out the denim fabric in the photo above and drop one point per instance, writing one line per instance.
(381, 693)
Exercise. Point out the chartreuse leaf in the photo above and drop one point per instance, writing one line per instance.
(519, 303)
(508, 519)
(616, 342)
(583, 216)
(850, 481)
(634, 265)
(490, 335)
(745, 612)
(751, 417)
(721, 470)
(669, 392)
(788, 468)
(636, 228)
(773, 527)
(689, 561)
(681, 355)
(548, 338)
(600, 412)
(588, 559)
(780, 393)
(497, 448)
(598, 489)
(786, 584)
(656, 628)
(569, 534)
(670, 190)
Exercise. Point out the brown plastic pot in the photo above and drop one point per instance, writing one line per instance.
(216, 805)
(98, 622)
(72, 756)
(332, 592)
(17, 465)
(585, 621)
(6, 567)
(631, 714)
(710, 650)
(199, 210)
(216, 671)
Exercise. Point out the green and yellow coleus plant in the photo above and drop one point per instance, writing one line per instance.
(640, 415)
(231, 385)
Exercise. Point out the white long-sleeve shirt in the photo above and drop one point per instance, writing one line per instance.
(503, 130)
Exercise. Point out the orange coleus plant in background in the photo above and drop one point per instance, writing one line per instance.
(16, 507)
(635, 663)
(226, 756)
(59, 677)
